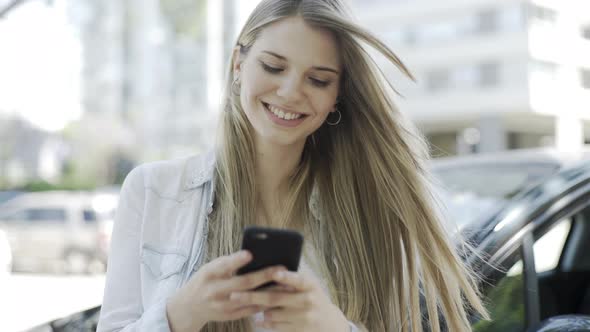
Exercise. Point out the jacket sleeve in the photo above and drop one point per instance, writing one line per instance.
(122, 308)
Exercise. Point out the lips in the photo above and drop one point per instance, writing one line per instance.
(282, 113)
(279, 116)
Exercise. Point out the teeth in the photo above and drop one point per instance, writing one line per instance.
(283, 115)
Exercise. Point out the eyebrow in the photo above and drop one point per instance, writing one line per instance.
(314, 67)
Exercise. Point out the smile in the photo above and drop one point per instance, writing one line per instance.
(282, 117)
(281, 113)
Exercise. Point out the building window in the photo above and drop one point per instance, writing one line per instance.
(437, 80)
(488, 21)
(543, 14)
(488, 74)
(585, 78)
(512, 18)
(543, 70)
(465, 77)
(409, 36)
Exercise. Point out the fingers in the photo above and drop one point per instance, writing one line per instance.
(251, 280)
(273, 299)
(296, 280)
(227, 266)
(281, 288)
(281, 319)
(281, 315)
(242, 312)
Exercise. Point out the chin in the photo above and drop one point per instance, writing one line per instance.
(283, 141)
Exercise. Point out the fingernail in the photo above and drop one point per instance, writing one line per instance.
(245, 254)
(235, 296)
(280, 274)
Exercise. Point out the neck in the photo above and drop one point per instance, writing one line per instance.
(274, 166)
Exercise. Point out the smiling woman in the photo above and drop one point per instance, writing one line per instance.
(310, 140)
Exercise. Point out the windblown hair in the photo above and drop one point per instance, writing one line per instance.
(379, 244)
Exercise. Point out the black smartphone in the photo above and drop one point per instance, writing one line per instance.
(271, 247)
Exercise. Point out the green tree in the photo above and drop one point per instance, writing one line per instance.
(186, 17)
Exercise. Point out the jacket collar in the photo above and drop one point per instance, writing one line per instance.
(199, 170)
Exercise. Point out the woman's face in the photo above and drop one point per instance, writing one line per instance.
(289, 81)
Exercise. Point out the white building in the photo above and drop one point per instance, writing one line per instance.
(491, 74)
(161, 66)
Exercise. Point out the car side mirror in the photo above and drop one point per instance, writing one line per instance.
(570, 323)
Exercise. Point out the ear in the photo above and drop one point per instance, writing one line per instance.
(237, 59)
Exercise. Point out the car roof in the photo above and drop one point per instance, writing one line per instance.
(50, 199)
(529, 201)
(547, 156)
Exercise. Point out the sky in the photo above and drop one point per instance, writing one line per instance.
(40, 65)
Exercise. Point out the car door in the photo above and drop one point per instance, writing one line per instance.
(545, 267)
(36, 234)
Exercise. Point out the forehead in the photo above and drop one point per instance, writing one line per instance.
(299, 42)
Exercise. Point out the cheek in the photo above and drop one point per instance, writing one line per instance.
(323, 106)
(248, 98)
(255, 84)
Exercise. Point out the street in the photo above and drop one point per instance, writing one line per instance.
(28, 300)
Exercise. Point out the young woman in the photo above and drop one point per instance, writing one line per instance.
(310, 140)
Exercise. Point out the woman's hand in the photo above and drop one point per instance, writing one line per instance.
(206, 296)
(299, 304)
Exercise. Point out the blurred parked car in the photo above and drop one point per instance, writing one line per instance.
(59, 231)
(5, 255)
(536, 272)
(6, 195)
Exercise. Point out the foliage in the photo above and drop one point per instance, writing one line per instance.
(185, 16)
(41, 185)
(506, 306)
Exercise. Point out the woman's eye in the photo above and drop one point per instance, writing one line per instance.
(319, 83)
(271, 69)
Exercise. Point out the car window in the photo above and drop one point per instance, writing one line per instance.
(92, 216)
(45, 214)
(505, 301)
(20, 215)
(549, 247)
(89, 216)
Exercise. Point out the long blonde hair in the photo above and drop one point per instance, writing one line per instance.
(378, 242)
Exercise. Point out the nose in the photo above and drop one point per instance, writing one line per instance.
(290, 89)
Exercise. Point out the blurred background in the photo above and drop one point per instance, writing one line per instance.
(91, 88)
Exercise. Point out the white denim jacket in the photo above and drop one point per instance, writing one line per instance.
(157, 242)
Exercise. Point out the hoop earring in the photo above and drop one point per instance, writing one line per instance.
(337, 122)
(235, 86)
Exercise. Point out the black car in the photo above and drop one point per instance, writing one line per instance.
(536, 266)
